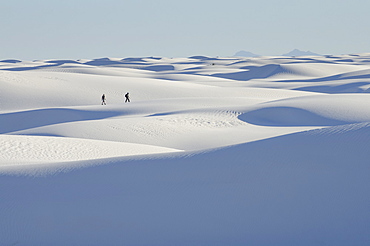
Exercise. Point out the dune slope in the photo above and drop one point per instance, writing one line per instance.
(289, 190)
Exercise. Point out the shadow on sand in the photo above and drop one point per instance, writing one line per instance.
(11, 122)
(287, 117)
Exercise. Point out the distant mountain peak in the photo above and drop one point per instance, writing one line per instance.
(244, 53)
(297, 52)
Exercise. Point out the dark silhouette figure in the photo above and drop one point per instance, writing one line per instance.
(103, 100)
(127, 96)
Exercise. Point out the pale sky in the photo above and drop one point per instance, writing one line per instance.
(77, 29)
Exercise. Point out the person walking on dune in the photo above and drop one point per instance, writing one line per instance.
(127, 96)
(103, 100)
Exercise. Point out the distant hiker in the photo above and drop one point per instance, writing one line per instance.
(103, 100)
(127, 96)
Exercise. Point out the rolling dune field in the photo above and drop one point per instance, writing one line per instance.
(261, 151)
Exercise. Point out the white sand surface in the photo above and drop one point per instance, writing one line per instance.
(23, 150)
(210, 151)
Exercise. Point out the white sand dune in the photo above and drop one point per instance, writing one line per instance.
(210, 151)
(321, 110)
(293, 189)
